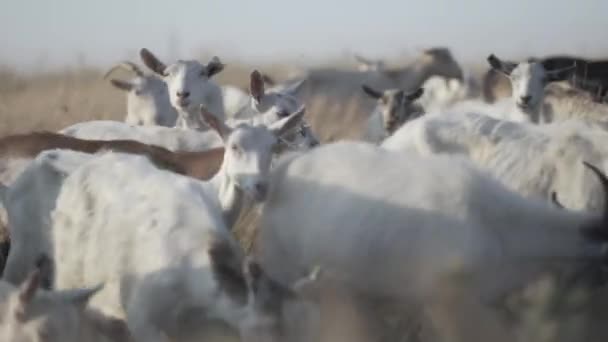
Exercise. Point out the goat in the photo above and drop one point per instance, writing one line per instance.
(148, 101)
(37, 185)
(236, 98)
(262, 100)
(333, 96)
(266, 107)
(29, 314)
(529, 159)
(195, 273)
(21, 149)
(394, 108)
(528, 79)
(190, 85)
(403, 226)
(589, 76)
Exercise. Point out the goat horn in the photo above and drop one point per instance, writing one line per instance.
(130, 66)
(604, 180)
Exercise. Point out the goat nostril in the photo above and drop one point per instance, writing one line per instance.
(183, 94)
(526, 99)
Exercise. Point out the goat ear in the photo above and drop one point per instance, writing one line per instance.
(560, 74)
(502, 66)
(256, 85)
(80, 297)
(152, 62)
(599, 232)
(415, 95)
(288, 123)
(214, 67)
(373, 93)
(216, 124)
(122, 85)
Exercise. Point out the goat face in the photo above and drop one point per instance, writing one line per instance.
(395, 106)
(249, 149)
(528, 80)
(188, 82)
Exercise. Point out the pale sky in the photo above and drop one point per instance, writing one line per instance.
(55, 32)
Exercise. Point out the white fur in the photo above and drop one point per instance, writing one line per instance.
(398, 224)
(28, 203)
(234, 100)
(174, 139)
(160, 266)
(440, 93)
(190, 85)
(272, 107)
(148, 100)
(56, 316)
(530, 159)
(530, 80)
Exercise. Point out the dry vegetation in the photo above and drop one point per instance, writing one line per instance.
(542, 313)
(53, 100)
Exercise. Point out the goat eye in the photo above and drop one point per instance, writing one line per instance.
(282, 114)
(234, 148)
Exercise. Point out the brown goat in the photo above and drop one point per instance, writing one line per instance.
(201, 165)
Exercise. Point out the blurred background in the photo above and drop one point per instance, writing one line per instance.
(54, 52)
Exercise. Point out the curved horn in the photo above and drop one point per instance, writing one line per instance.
(126, 65)
(604, 180)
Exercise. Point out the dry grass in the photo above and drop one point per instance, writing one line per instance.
(54, 100)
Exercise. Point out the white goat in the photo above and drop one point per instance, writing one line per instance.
(400, 225)
(266, 108)
(173, 256)
(529, 159)
(236, 98)
(28, 203)
(190, 85)
(279, 99)
(148, 100)
(528, 80)
(35, 191)
(28, 314)
(393, 109)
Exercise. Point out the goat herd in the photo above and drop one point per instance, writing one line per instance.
(126, 231)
